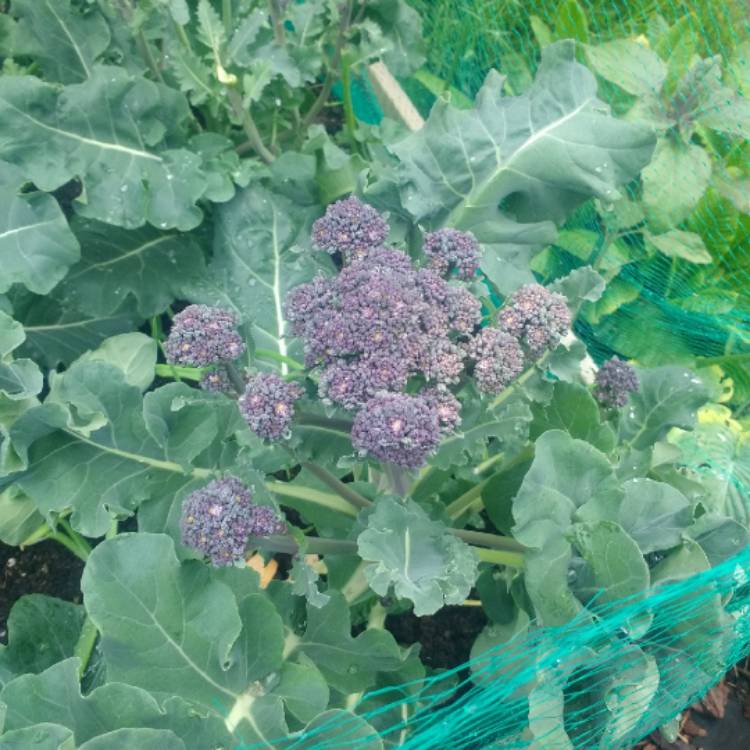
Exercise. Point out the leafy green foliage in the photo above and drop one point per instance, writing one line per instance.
(163, 153)
(415, 555)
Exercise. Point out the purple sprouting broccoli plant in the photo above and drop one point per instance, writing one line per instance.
(216, 380)
(537, 317)
(614, 382)
(397, 428)
(498, 359)
(382, 327)
(349, 227)
(218, 519)
(202, 336)
(450, 249)
(267, 405)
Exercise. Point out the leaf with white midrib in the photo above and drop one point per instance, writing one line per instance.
(488, 169)
(255, 263)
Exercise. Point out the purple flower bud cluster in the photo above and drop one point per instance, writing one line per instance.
(398, 428)
(537, 317)
(351, 383)
(614, 382)
(379, 322)
(219, 518)
(349, 227)
(267, 404)
(203, 335)
(447, 406)
(216, 380)
(498, 359)
(448, 249)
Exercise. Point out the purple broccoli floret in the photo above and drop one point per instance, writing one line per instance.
(614, 382)
(219, 518)
(447, 406)
(349, 227)
(498, 359)
(203, 335)
(398, 428)
(537, 317)
(216, 380)
(352, 383)
(267, 405)
(448, 249)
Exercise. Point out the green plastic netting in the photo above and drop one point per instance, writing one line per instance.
(626, 667)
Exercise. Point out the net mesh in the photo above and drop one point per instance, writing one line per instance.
(621, 669)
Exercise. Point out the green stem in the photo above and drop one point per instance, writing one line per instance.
(399, 478)
(498, 557)
(68, 544)
(179, 372)
(226, 13)
(493, 541)
(85, 645)
(38, 535)
(242, 113)
(76, 538)
(278, 26)
(276, 357)
(325, 92)
(340, 488)
(723, 359)
(314, 420)
(519, 381)
(324, 499)
(235, 376)
(346, 84)
(466, 501)
(145, 50)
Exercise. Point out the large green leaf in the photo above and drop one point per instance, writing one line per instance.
(152, 266)
(41, 736)
(349, 663)
(54, 696)
(36, 244)
(255, 262)
(512, 167)
(96, 446)
(565, 474)
(615, 569)
(41, 632)
(674, 182)
(419, 557)
(57, 332)
(172, 630)
(66, 41)
(121, 136)
(654, 514)
(667, 397)
(574, 410)
(632, 66)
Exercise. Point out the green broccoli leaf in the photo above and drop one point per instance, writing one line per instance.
(152, 266)
(120, 135)
(419, 557)
(667, 397)
(463, 164)
(55, 696)
(41, 632)
(66, 41)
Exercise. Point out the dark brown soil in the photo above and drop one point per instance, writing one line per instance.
(446, 636)
(44, 568)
